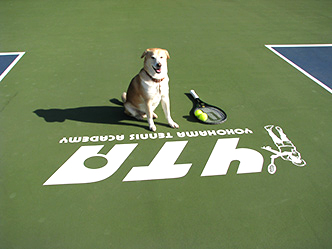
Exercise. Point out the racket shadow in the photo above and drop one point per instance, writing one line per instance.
(191, 117)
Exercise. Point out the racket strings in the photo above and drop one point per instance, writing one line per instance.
(215, 116)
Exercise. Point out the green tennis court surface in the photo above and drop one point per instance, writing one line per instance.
(75, 172)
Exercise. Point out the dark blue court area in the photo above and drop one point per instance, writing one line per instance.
(315, 60)
(7, 61)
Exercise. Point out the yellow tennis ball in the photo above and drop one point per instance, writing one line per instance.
(203, 117)
(198, 112)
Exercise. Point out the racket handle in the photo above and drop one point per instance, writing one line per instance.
(194, 94)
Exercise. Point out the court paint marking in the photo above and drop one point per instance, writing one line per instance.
(163, 165)
(285, 149)
(8, 61)
(303, 70)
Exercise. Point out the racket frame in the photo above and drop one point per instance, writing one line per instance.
(201, 104)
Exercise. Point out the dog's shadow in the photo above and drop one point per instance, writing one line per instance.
(92, 114)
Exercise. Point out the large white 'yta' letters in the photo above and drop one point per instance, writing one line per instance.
(73, 170)
(163, 165)
(225, 152)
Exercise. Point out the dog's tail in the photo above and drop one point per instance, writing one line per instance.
(124, 97)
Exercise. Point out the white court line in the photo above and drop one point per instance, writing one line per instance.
(296, 66)
(20, 54)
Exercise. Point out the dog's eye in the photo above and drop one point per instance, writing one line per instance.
(153, 58)
(161, 57)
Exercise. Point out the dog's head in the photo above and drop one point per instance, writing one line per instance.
(155, 62)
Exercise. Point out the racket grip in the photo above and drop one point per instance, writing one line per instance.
(194, 94)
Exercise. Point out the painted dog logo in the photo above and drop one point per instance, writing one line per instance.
(286, 149)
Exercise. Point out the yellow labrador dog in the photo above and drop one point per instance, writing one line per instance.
(148, 88)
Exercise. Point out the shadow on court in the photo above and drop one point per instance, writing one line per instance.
(93, 114)
(191, 116)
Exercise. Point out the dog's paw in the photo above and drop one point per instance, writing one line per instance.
(153, 127)
(154, 116)
(174, 125)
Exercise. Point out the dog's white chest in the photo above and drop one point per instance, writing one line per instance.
(155, 91)
(154, 88)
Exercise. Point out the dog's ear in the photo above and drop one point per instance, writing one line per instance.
(167, 54)
(145, 52)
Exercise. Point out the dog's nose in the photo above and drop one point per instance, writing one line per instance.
(159, 64)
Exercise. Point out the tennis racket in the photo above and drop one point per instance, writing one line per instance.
(214, 114)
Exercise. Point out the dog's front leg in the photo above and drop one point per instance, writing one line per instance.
(166, 107)
(149, 114)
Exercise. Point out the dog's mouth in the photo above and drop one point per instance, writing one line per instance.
(157, 69)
